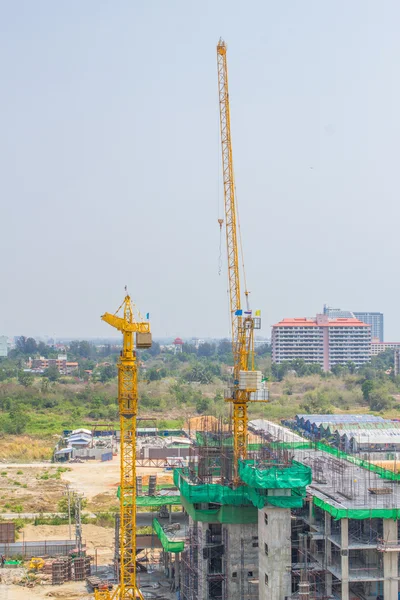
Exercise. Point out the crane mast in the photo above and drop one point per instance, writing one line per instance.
(242, 322)
(128, 407)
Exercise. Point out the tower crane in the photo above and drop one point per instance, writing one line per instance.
(246, 380)
(128, 407)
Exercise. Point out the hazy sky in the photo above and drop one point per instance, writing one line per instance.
(110, 160)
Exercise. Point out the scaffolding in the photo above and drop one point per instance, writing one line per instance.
(191, 580)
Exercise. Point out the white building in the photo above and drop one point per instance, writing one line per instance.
(324, 341)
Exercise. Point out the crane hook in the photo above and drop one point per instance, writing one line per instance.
(220, 221)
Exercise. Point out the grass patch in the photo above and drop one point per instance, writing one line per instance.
(146, 530)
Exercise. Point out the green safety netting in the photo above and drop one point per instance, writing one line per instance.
(168, 545)
(208, 438)
(210, 492)
(293, 500)
(157, 501)
(357, 513)
(295, 476)
(290, 445)
(153, 500)
(244, 495)
(223, 514)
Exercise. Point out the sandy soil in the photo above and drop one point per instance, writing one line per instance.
(99, 481)
(93, 478)
(68, 591)
(23, 485)
(29, 489)
(99, 540)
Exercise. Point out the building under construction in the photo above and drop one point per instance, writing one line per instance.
(308, 521)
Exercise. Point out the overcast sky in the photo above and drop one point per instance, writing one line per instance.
(110, 160)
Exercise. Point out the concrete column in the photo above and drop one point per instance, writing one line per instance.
(274, 538)
(390, 584)
(177, 570)
(311, 511)
(328, 553)
(344, 551)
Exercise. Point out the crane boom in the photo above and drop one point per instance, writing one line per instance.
(229, 194)
(128, 408)
(242, 325)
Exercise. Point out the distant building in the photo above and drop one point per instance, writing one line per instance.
(397, 362)
(379, 347)
(324, 341)
(64, 367)
(337, 313)
(3, 346)
(178, 345)
(197, 342)
(375, 319)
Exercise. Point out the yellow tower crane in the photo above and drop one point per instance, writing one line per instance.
(128, 408)
(246, 381)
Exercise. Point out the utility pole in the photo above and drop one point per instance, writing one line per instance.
(68, 494)
(78, 521)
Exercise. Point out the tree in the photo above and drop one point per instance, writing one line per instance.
(206, 349)
(189, 349)
(44, 385)
(224, 347)
(264, 349)
(279, 370)
(107, 372)
(351, 366)
(202, 405)
(26, 345)
(379, 400)
(24, 378)
(366, 387)
(316, 403)
(52, 373)
(63, 505)
(155, 349)
(43, 349)
(383, 361)
(18, 420)
(82, 348)
(198, 373)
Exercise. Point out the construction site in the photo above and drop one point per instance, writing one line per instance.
(253, 510)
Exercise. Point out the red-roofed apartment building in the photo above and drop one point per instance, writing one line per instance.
(322, 340)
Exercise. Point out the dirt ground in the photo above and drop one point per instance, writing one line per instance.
(99, 540)
(99, 481)
(33, 488)
(29, 489)
(68, 591)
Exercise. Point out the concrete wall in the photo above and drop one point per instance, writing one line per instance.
(390, 561)
(93, 453)
(275, 553)
(239, 562)
(241, 553)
